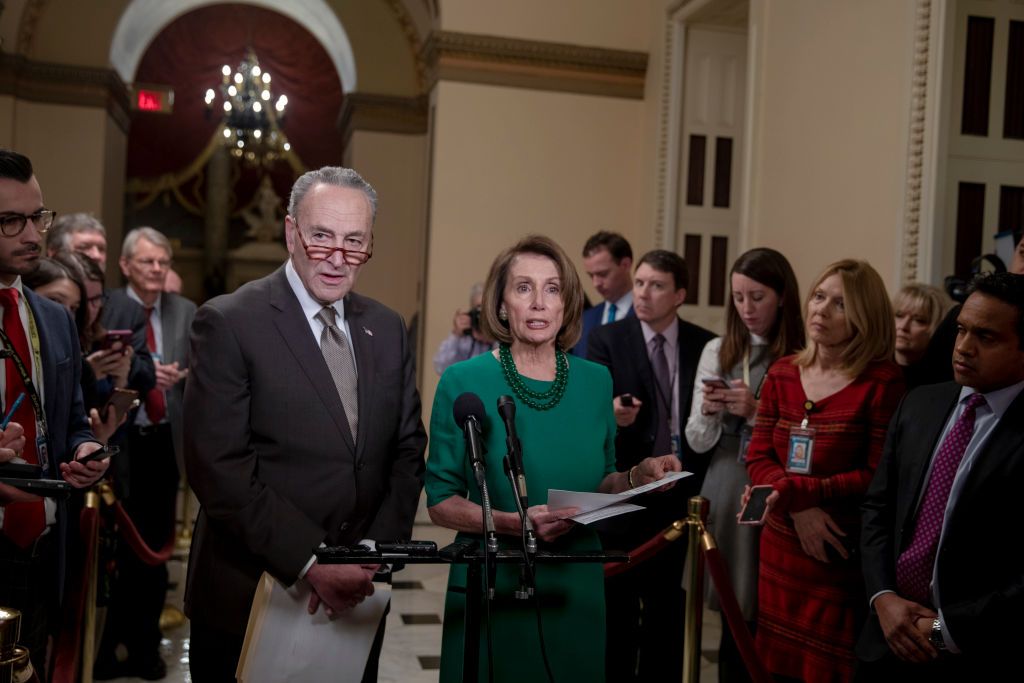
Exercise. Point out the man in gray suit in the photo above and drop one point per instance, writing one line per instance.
(155, 446)
(303, 425)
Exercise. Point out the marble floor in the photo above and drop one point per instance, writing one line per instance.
(412, 644)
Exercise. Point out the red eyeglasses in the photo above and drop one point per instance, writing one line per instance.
(352, 257)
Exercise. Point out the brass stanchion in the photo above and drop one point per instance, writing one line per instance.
(698, 513)
(92, 502)
(15, 665)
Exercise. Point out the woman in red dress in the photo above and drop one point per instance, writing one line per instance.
(818, 438)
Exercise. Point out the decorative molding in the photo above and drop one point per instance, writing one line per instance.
(408, 26)
(909, 262)
(665, 174)
(30, 14)
(66, 84)
(382, 114)
(533, 64)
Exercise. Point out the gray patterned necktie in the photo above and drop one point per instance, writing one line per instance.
(335, 347)
(663, 394)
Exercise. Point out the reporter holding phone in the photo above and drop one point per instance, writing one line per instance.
(763, 324)
(818, 437)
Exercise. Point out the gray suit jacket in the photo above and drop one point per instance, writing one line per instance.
(269, 452)
(176, 314)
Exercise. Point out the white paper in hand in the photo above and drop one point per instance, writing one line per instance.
(285, 643)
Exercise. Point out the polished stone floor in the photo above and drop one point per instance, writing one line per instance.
(413, 637)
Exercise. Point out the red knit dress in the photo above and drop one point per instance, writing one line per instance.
(810, 612)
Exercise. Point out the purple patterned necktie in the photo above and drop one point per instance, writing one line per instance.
(915, 564)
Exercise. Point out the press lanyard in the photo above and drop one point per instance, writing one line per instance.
(25, 374)
(746, 375)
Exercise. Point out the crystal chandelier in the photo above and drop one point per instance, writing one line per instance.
(251, 125)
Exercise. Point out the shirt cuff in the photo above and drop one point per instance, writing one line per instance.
(871, 601)
(309, 564)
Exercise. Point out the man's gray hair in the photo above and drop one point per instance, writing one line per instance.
(475, 292)
(331, 175)
(58, 237)
(152, 235)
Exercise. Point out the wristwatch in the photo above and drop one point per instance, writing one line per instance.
(936, 636)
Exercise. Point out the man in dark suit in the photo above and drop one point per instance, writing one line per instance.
(44, 362)
(302, 425)
(155, 438)
(943, 570)
(653, 359)
(608, 260)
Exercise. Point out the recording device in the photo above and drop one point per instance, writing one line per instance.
(626, 400)
(716, 382)
(757, 505)
(956, 287)
(410, 548)
(48, 488)
(114, 336)
(468, 412)
(474, 321)
(102, 454)
(507, 411)
(121, 400)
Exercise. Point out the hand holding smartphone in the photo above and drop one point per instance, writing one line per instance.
(716, 382)
(124, 337)
(756, 508)
(121, 400)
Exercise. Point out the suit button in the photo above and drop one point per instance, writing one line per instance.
(359, 466)
(343, 527)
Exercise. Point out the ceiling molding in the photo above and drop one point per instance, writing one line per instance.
(82, 86)
(539, 65)
(382, 114)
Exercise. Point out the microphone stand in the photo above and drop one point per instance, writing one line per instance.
(529, 538)
(490, 534)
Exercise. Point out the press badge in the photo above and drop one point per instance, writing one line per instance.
(746, 434)
(801, 447)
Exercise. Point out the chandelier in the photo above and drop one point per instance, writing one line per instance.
(251, 123)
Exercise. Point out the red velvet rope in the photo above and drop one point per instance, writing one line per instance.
(639, 554)
(734, 617)
(131, 535)
(68, 647)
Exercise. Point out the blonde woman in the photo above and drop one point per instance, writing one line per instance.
(919, 308)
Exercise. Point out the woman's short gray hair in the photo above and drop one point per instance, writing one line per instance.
(331, 175)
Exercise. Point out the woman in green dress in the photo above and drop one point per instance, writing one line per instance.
(533, 303)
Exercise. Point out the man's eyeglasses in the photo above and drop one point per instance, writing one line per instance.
(352, 257)
(12, 224)
(164, 263)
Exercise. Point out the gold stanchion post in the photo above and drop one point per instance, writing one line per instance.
(14, 661)
(92, 501)
(698, 513)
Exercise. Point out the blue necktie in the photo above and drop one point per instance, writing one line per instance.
(610, 318)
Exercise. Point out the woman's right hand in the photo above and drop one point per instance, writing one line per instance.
(713, 402)
(550, 524)
(121, 367)
(815, 528)
(769, 502)
(105, 361)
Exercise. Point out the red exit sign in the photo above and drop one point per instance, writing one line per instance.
(153, 98)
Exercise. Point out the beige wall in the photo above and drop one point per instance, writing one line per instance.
(67, 146)
(620, 24)
(396, 166)
(831, 120)
(510, 161)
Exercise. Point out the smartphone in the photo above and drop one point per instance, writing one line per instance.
(626, 400)
(716, 382)
(757, 507)
(114, 336)
(122, 400)
(101, 454)
(48, 488)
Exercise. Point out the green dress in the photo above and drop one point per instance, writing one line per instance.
(572, 447)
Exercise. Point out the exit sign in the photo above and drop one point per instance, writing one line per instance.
(153, 98)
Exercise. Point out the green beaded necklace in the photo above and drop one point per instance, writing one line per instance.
(538, 400)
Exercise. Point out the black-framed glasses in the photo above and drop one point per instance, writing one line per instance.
(352, 257)
(12, 224)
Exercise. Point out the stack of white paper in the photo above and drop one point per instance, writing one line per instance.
(595, 506)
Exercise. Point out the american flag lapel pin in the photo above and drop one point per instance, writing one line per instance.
(369, 332)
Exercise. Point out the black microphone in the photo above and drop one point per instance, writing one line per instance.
(507, 411)
(468, 411)
(469, 415)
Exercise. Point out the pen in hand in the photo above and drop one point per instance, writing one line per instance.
(10, 413)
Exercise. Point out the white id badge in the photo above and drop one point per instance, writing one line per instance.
(801, 447)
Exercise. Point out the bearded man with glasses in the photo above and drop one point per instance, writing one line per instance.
(302, 426)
